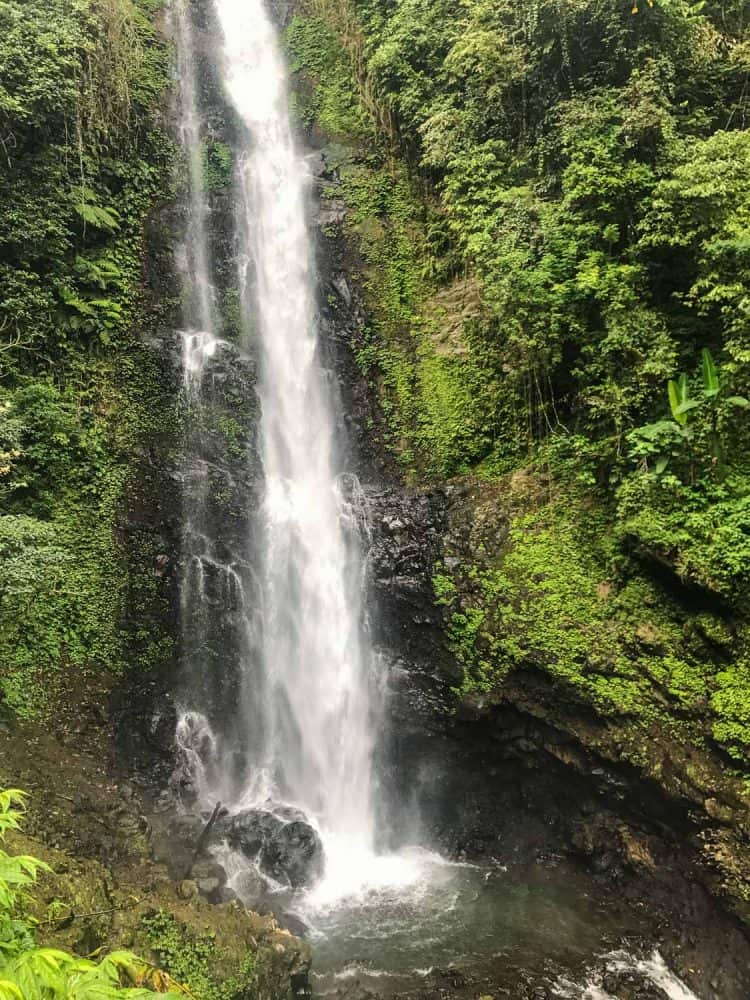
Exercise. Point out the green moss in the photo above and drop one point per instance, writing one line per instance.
(217, 166)
(730, 702)
(551, 599)
(444, 589)
(199, 961)
(235, 436)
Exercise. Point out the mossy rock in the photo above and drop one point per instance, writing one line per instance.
(222, 952)
(540, 613)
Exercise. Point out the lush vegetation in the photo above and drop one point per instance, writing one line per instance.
(552, 206)
(31, 972)
(197, 959)
(82, 161)
(581, 239)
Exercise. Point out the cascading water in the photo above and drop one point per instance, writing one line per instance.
(213, 575)
(198, 309)
(280, 700)
(315, 654)
(300, 715)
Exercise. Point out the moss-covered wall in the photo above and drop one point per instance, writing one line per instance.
(545, 202)
(87, 412)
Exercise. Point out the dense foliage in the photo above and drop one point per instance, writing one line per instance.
(587, 169)
(31, 972)
(82, 159)
(552, 204)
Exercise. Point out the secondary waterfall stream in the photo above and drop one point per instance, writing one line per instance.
(280, 694)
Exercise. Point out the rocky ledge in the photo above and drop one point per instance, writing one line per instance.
(107, 890)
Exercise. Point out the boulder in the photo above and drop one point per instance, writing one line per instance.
(252, 889)
(293, 923)
(210, 878)
(281, 842)
(187, 889)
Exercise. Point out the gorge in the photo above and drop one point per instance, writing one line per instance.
(354, 619)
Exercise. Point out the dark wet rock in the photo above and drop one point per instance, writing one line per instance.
(282, 843)
(290, 814)
(406, 530)
(186, 828)
(293, 923)
(252, 888)
(225, 895)
(332, 213)
(316, 163)
(301, 985)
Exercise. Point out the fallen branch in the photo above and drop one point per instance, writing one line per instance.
(64, 922)
(203, 838)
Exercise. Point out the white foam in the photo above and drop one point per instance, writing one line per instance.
(356, 875)
(653, 970)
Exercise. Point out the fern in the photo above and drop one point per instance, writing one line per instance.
(87, 205)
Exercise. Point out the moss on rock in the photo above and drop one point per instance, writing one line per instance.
(219, 952)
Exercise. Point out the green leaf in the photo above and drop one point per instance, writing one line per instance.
(711, 383)
(687, 406)
(652, 432)
(675, 401)
(739, 401)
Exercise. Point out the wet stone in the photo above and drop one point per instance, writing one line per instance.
(281, 842)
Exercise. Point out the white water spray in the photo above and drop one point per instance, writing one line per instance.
(207, 576)
(652, 970)
(316, 659)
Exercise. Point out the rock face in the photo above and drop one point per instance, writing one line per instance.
(497, 772)
(200, 514)
(490, 774)
(281, 842)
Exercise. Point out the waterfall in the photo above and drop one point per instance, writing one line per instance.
(302, 714)
(315, 656)
(214, 605)
(193, 256)
(198, 345)
(279, 704)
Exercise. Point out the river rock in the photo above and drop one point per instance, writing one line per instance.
(293, 923)
(252, 889)
(282, 843)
